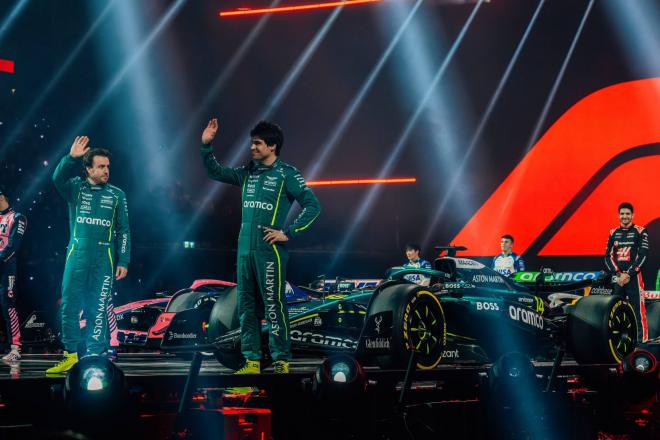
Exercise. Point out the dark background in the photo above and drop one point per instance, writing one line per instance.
(162, 96)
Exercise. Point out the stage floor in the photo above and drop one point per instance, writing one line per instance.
(134, 365)
(33, 366)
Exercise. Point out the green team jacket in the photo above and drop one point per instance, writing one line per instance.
(267, 193)
(98, 214)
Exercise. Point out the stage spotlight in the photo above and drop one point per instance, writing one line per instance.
(513, 403)
(339, 378)
(640, 380)
(512, 371)
(93, 386)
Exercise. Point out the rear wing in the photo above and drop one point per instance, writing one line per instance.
(550, 277)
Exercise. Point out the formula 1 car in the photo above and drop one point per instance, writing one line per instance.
(140, 324)
(469, 313)
(143, 323)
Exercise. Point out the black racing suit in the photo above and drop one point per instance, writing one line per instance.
(627, 249)
(12, 228)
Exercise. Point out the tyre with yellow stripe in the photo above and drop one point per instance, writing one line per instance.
(601, 329)
(418, 323)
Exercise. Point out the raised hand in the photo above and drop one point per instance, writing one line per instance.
(79, 147)
(210, 131)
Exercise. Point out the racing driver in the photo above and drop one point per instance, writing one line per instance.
(99, 248)
(268, 188)
(627, 247)
(12, 228)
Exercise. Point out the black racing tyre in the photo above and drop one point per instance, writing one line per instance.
(653, 318)
(224, 315)
(224, 318)
(418, 322)
(601, 329)
(230, 359)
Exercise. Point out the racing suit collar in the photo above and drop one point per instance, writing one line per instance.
(258, 166)
(6, 211)
(94, 186)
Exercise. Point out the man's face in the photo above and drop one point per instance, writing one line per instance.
(412, 254)
(506, 245)
(4, 203)
(261, 151)
(625, 217)
(99, 172)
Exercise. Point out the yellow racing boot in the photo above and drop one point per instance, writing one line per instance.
(281, 367)
(70, 359)
(250, 367)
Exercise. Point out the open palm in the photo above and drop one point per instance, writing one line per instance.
(79, 146)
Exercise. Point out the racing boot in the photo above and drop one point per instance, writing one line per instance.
(281, 367)
(14, 355)
(250, 367)
(70, 359)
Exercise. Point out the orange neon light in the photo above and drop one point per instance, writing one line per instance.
(361, 181)
(296, 8)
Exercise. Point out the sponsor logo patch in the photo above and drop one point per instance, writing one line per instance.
(32, 322)
(487, 306)
(94, 221)
(527, 316)
(325, 340)
(377, 343)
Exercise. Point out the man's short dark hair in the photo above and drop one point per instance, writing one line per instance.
(3, 192)
(412, 247)
(270, 133)
(626, 205)
(88, 158)
(508, 237)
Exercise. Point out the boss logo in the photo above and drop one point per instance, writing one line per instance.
(488, 306)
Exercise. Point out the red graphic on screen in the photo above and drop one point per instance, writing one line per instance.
(591, 133)
(636, 182)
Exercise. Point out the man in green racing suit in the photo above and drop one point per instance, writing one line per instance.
(268, 188)
(99, 248)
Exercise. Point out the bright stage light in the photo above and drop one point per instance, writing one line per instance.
(94, 386)
(296, 8)
(339, 379)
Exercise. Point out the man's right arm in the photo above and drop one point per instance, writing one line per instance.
(215, 171)
(610, 259)
(63, 177)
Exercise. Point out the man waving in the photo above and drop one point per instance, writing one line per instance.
(268, 188)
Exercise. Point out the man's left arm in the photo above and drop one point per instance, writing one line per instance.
(123, 238)
(311, 208)
(642, 252)
(15, 238)
(520, 266)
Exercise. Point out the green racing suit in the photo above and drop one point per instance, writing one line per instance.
(100, 241)
(267, 193)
